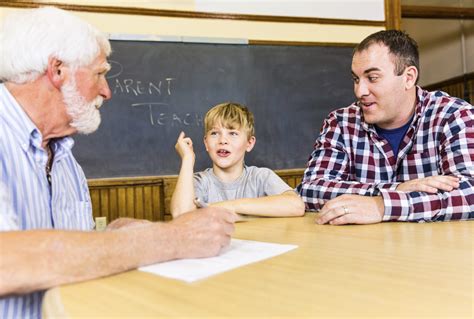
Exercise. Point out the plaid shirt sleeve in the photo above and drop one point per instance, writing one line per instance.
(457, 159)
(328, 174)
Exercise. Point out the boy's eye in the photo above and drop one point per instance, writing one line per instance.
(212, 133)
(234, 133)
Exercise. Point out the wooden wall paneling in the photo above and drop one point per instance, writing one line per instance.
(139, 213)
(122, 202)
(169, 184)
(95, 199)
(460, 86)
(130, 202)
(158, 202)
(113, 204)
(134, 197)
(148, 203)
(147, 197)
(471, 90)
(105, 203)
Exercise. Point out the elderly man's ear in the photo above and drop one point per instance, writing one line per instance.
(56, 72)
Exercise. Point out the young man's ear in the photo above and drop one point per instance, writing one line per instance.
(56, 72)
(411, 75)
(251, 143)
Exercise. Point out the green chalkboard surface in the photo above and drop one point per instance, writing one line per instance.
(162, 88)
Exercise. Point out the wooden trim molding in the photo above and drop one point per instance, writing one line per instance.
(302, 43)
(393, 14)
(427, 12)
(189, 14)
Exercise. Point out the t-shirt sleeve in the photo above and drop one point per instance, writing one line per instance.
(200, 190)
(8, 220)
(272, 183)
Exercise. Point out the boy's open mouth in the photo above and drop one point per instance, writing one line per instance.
(223, 153)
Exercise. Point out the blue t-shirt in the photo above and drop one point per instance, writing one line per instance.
(394, 136)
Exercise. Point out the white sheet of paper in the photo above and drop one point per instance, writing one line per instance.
(239, 253)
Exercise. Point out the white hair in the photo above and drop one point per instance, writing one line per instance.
(28, 39)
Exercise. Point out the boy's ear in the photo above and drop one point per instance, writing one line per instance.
(205, 143)
(56, 72)
(251, 143)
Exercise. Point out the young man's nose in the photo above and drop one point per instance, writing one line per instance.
(361, 89)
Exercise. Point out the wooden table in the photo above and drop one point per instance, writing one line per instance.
(384, 270)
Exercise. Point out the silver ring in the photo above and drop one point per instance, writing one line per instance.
(346, 211)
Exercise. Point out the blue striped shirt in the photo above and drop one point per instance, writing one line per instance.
(63, 205)
(7, 216)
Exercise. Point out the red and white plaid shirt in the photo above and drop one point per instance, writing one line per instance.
(350, 158)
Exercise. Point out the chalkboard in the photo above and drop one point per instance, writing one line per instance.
(162, 88)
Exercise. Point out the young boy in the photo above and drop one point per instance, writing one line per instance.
(247, 190)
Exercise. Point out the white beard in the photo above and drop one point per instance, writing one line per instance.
(85, 115)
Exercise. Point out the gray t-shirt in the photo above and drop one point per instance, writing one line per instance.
(254, 182)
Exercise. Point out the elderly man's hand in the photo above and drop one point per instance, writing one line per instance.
(126, 222)
(352, 209)
(203, 232)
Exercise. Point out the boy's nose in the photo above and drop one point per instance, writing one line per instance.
(222, 140)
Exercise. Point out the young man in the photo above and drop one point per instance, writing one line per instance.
(246, 190)
(399, 153)
(53, 66)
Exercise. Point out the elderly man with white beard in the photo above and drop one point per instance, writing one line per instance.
(53, 66)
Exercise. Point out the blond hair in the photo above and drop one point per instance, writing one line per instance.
(231, 116)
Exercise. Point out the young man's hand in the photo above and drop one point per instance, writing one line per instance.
(184, 146)
(352, 209)
(431, 184)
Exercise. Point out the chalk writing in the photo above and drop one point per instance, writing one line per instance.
(136, 87)
(115, 69)
(160, 118)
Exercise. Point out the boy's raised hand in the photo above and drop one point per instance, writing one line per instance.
(184, 146)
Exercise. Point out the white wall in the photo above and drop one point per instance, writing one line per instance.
(335, 9)
(252, 30)
(439, 41)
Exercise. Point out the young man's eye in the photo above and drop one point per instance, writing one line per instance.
(355, 80)
(373, 78)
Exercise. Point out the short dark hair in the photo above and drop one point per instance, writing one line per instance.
(399, 43)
